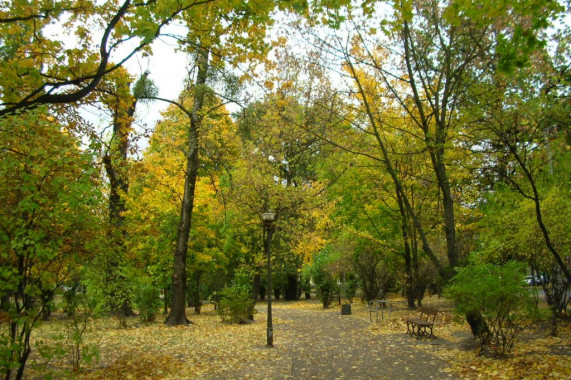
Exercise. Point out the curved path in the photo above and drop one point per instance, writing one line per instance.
(324, 344)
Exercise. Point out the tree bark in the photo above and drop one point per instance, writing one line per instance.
(256, 286)
(291, 290)
(115, 163)
(177, 315)
(435, 144)
(448, 205)
(409, 291)
(393, 173)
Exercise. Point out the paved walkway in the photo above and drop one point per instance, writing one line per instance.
(328, 345)
(341, 347)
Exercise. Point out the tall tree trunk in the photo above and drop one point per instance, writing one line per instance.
(392, 171)
(115, 163)
(256, 285)
(25, 354)
(418, 287)
(196, 299)
(435, 141)
(448, 204)
(409, 291)
(291, 289)
(177, 315)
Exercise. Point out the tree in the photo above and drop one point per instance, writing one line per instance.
(159, 189)
(325, 282)
(122, 104)
(37, 68)
(425, 57)
(48, 226)
(216, 38)
(523, 127)
(282, 167)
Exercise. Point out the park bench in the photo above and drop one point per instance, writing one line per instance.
(422, 326)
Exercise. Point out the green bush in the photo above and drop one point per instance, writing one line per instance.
(80, 311)
(350, 286)
(325, 283)
(498, 299)
(108, 287)
(236, 303)
(326, 290)
(147, 299)
(70, 341)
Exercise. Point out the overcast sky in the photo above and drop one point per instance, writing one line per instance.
(168, 69)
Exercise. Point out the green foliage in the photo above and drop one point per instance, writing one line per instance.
(7, 348)
(106, 286)
(236, 304)
(145, 88)
(350, 286)
(80, 310)
(498, 294)
(147, 299)
(325, 283)
(47, 223)
(69, 340)
(50, 186)
(510, 230)
(117, 295)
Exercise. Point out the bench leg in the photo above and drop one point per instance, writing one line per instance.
(420, 332)
(415, 330)
(431, 335)
(423, 331)
(410, 328)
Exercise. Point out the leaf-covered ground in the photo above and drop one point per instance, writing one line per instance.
(310, 342)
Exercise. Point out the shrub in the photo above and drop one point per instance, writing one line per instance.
(107, 285)
(80, 310)
(71, 341)
(325, 283)
(496, 297)
(236, 304)
(327, 290)
(147, 299)
(350, 286)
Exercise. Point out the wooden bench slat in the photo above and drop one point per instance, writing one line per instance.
(419, 326)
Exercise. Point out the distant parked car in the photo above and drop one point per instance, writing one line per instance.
(533, 280)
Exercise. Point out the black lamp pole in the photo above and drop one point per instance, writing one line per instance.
(269, 219)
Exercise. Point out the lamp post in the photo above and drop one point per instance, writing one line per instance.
(269, 218)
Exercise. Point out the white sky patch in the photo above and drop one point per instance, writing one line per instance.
(168, 68)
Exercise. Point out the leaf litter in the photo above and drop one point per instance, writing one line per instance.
(209, 348)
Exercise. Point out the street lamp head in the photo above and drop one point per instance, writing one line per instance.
(268, 217)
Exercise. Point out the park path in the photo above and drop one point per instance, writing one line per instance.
(323, 344)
